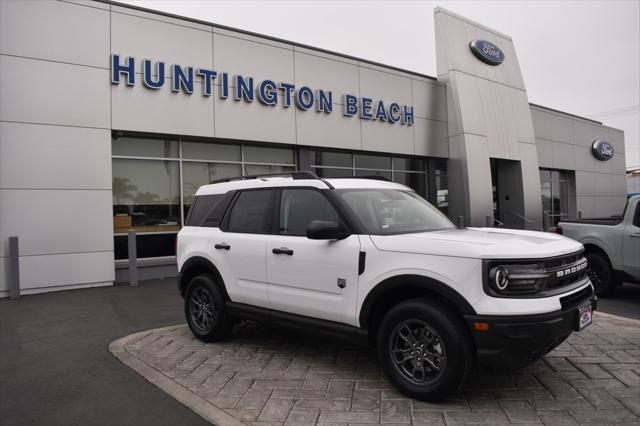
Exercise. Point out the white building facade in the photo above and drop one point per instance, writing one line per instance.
(111, 117)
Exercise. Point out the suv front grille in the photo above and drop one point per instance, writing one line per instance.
(576, 299)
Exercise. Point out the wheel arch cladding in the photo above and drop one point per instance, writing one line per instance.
(197, 266)
(404, 287)
(594, 248)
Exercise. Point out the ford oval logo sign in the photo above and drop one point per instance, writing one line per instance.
(602, 150)
(487, 52)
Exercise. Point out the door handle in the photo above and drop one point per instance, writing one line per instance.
(635, 235)
(282, 250)
(223, 246)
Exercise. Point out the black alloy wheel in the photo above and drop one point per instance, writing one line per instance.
(205, 310)
(600, 274)
(418, 351)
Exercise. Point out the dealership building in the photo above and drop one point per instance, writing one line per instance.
(112, 116)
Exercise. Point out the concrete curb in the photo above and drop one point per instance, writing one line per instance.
(192, 401)
(617, 318)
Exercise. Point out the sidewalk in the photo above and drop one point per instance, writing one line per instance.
(272, 377)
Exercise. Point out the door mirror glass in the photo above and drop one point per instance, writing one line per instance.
(323, 230)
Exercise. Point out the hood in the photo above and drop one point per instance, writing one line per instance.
(481, 243)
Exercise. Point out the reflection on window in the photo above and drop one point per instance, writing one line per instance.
(554, 190)
(145, 195)
(194, 175)
(300, 207)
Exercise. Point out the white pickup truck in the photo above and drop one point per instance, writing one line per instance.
(612, 246)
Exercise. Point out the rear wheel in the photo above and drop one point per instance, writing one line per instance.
(425, 349)
(205, 310)
(600, 274)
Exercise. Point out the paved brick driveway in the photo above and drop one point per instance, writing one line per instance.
(272, 377)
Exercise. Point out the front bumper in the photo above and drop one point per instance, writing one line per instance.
(514, 341)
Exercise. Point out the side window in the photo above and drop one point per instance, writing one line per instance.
(299, 207)
(202, 205)
(252, 212)
(636, 217)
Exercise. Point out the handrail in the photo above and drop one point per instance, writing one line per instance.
(520, 217)
(498, 222)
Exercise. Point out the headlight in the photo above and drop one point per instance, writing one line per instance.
(517, 279)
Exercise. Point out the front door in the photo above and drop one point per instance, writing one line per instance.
(631, 244)
(317, 278)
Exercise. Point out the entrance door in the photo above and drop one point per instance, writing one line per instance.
(316, 278)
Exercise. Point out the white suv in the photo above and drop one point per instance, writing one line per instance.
(370, 258)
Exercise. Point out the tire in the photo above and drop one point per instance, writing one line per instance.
(204, 308)
(442, 340)
(600, 274)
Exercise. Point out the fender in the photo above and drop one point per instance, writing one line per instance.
(195, 265)
(594, 241)
(409, 280)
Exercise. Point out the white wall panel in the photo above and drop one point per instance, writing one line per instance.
(254, 121)
(4, 277)
(42, 156)
(250, 59)
(561, 129)
(162, 111)
(36, 91)
(541, 123)
(585, 183)
(318, 72)
(545, 152)
(430, 138)
(386, 86)
(56, 221)
(563, 156)
(160, 41)
(429, 99)
(387, 137)
(56, 31)
(330, 130)
(41, 272)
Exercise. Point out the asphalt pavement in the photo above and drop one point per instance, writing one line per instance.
(624, 302)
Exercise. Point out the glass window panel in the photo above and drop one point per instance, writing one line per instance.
(372, 161)
(545, 174)
(211, 151)
(415, 181)
(261, 154)
(367, 173)
(332, 173)
(331, 158)
(144, 147)
(545, 191)
(145, 195)
(300, 207)
(252, 212)
(555, 175)
(147, 245)
(414, 164)
(194, 175)
(257, 169)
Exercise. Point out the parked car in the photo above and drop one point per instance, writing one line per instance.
(612, 246)
(372, 259)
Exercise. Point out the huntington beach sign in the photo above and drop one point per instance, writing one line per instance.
(155, 74)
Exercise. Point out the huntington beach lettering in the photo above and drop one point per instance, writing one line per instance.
(247, 89)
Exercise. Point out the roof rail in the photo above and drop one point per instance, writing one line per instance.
(293, 175)
(372, 177)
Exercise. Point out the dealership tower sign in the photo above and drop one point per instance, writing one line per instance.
(247, 89)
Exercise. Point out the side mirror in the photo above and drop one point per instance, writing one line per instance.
(324, 230)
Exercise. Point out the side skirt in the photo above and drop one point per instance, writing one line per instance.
(300, 323)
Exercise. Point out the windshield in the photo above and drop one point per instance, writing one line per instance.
(392, 211)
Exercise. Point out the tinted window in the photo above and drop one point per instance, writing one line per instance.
(252, 212)
(201, 207)
(299, 207)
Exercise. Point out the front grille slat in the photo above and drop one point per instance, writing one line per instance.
(576, 299)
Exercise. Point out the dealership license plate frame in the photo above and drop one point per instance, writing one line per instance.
(581, 311)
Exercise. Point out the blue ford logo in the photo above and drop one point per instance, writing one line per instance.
(602, 150)
(487, 52)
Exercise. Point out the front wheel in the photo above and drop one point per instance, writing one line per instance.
(425, 349)
(600, 274)
(205, 310)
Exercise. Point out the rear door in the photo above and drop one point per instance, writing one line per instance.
(317, 278)
(239, 245)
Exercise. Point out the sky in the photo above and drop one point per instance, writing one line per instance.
(581, 57)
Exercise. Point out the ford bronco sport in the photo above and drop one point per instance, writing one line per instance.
(370, 258)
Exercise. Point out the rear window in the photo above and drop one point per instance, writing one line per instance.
(202, 206)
